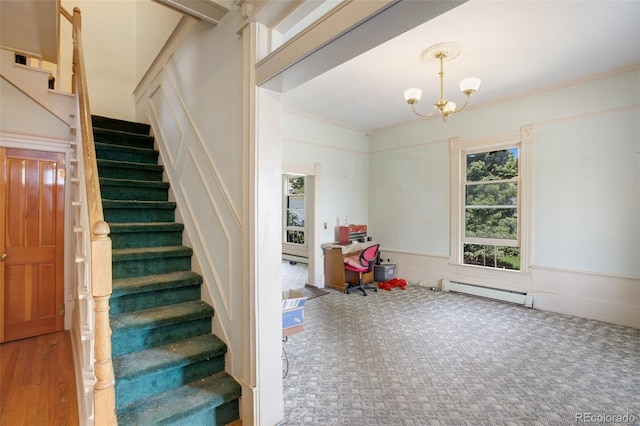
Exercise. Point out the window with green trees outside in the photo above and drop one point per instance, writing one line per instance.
(294, 226)
(491, 204)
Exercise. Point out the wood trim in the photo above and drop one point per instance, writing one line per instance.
(2, 239)
(104, 390)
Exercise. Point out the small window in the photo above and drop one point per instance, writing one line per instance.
(295, 209)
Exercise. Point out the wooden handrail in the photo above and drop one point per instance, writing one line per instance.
(100, 260)
(66, 14)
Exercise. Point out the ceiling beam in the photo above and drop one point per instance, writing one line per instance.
(207, 10)
(341, 35)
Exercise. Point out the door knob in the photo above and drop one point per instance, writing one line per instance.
(3, 256)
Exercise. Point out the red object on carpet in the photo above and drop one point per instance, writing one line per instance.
(392, 283)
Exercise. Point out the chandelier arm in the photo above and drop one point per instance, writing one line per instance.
(462, 107)
(421, 115)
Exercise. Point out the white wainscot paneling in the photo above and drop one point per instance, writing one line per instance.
(608, 298)
(211, 221)
(166, 122)
(216, 231)
(418, 268)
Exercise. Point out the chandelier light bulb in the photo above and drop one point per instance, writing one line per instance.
(450, 107)
(413, 95)
(469, 85)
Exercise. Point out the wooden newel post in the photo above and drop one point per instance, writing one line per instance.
(104, 390)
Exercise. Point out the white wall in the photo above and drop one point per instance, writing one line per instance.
(110, 60)
(409, 206)
(343, 156)
(586, 202)
(587, 194)
(154, 25)
(21, 114)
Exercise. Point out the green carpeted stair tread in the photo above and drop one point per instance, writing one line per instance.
(124, 138)
(119, 255)
(141, 261)
(127, 286)
(107, 151)
(164, 409)
(132, 204)
(174, 355)
(126, 189)
(132, 170)
(127, 211)
(160, 317)
(125, 149)
(130, 165)
(145, 234)
(133, 183)
(122, 125)
(146, 227)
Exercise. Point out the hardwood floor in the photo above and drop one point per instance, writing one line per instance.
(37, 381)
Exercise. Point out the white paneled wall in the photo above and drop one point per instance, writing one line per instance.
(212, 222)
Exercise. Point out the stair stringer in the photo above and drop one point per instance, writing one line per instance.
(33, 82)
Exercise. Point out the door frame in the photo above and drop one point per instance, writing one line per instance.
(65, 147)
(312, 190)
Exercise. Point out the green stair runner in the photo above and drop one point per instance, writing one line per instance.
(169, 368)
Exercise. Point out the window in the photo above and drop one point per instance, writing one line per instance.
(491, 209)
(295, 205)
(491, 201)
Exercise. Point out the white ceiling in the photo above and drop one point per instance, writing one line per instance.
(514, 46)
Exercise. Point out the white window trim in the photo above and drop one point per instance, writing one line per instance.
(458, 150)
(285, 227)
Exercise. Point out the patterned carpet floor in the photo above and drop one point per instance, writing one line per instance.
(419, 357)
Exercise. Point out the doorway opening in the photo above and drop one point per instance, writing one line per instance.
(301, 259)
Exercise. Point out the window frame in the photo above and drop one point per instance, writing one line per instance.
(517, 180)
(285, 210)
(459, 150)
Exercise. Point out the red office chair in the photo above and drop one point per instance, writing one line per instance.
(367, 260)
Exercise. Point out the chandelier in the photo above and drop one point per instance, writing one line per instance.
(443, 53)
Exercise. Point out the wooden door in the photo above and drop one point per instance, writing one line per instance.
(31, 238)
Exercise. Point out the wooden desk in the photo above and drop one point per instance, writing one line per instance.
(335, 276)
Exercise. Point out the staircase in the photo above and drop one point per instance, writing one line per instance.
(169, 368)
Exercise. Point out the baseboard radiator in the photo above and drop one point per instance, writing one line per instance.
(516, 297)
